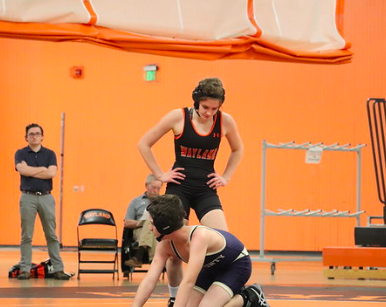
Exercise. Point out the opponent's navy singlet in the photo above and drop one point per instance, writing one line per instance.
(232, 250)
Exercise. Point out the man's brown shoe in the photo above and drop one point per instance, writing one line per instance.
(24, 276)
(61, 275)
(133, 262)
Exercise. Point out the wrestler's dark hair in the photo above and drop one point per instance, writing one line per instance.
(33, 126)
(167, 212)
(208, 88)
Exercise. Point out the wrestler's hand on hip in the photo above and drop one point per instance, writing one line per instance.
(216, 181)
(173, 175)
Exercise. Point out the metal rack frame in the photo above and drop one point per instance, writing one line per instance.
(306, 212)
(376, 110)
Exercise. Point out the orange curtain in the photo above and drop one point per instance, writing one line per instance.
(269, 31)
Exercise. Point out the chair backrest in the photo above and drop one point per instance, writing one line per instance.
(96, 216)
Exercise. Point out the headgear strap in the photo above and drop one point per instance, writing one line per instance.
(198, 93)
(163, 223)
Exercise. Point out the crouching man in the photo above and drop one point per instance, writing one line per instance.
(218, 264)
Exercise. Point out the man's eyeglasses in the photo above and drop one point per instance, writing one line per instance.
(32, 135)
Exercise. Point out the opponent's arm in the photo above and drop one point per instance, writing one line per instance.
(198, 248)
(150, 281)
(167, 123)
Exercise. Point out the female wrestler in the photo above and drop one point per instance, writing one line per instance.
(197, 135)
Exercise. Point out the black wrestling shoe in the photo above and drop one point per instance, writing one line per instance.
(171, 301)
(255, 296)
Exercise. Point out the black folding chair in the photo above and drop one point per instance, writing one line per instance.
(106, 261)
(129, 247)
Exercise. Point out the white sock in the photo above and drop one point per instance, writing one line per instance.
(173, 291)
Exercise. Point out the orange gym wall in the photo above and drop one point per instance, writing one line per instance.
(109, 110)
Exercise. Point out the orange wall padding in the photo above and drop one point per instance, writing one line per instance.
(277, 38)
(112, 106)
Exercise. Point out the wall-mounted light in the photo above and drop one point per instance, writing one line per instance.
(150, 72)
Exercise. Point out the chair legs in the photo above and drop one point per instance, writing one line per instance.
(113, 271)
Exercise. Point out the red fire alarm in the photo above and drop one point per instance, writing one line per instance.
(77, 72)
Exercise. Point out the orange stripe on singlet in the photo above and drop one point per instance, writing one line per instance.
(90, 9)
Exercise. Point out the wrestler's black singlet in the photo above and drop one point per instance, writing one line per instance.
(196, 153)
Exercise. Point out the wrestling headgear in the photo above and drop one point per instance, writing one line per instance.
(167, 213)
(208, 88)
